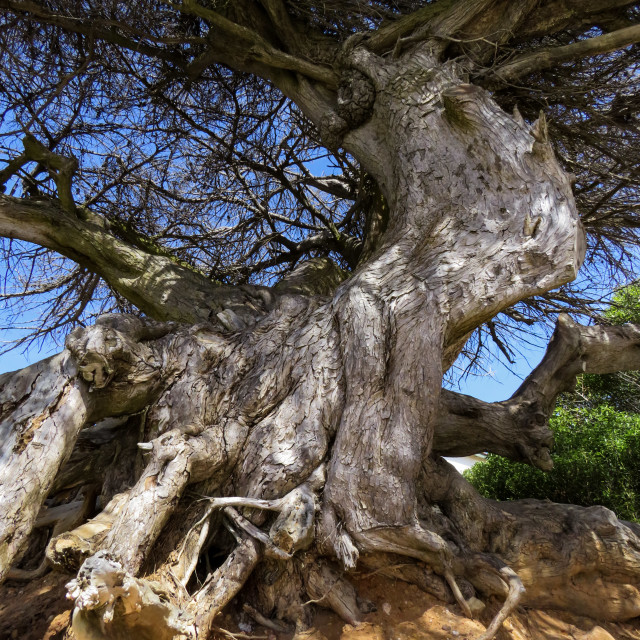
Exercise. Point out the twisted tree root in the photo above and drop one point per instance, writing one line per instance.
(293, 529)
(328, 587)
(223, 584)
(516, 591)
(63, 517)
(417, 542)
(111, 604)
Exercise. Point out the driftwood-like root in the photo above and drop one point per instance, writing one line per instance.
(62, 517)
(111, 604)
(42, 409)
(328, 588)
(274, 625)
(293, 529)
(399, 567)
(70, 549)
(514, 596)
(223, 584)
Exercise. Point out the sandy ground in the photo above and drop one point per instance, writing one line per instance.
(41, 612)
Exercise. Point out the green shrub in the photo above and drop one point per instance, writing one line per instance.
(596, 461)
(620, 390)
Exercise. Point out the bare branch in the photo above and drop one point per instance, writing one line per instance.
(149, 277)
(258, 48)
(518, 428)
(545, 58)
(553, 16)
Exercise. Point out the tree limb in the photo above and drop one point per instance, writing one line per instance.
(257, 47)
(549, 57)
(553, 16)
(152, 279)
(517, 428)
(91, 27)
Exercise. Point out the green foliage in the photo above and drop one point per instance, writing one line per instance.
(619, 390)
(596, 461)
(625, 306)
(597, 440)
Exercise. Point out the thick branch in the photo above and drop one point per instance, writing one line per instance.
(258, 48)
(387, 35)
(231, 44)
(511, 429)
(553, 16)
(549, 57)
(60, 168)
(155, 282)
(518, 428)
(576, 349)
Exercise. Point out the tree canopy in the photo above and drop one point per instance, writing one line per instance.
(181, 135)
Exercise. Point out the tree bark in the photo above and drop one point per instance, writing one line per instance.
(327, 409)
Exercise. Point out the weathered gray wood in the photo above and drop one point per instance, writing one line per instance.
(43, 409)
(223, 584)
(143, 609)
(353, 381)
(427, 285)
(311, 414)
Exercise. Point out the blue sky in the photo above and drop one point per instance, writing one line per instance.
(500, 382)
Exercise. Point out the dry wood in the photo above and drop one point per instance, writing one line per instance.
(296, 430)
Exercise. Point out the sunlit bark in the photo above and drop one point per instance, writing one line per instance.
(297, 429)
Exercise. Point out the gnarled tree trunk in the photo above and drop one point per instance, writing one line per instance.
(298, 434)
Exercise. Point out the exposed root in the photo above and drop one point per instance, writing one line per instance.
(293, 530)
(416, 542)
(253, 503)
(42, 409)
(25, 575)
(223, 584)
(408, 570)
(271, 550)
(274, 625)
(63, 517)
(152, 499)
(111, 604)
(190, 551)
(69, 550)
(457, 594)
(239, 636)
(328, 588)
(336, 539)
(515, 592)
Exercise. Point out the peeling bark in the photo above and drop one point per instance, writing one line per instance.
(44, 408)
(299, 435)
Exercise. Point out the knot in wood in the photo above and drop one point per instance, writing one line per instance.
(111, 349)
(356, 96)
(333, 128)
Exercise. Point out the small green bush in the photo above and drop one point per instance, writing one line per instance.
(596, 461)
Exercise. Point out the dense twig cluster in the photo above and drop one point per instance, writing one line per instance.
(218, 168)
